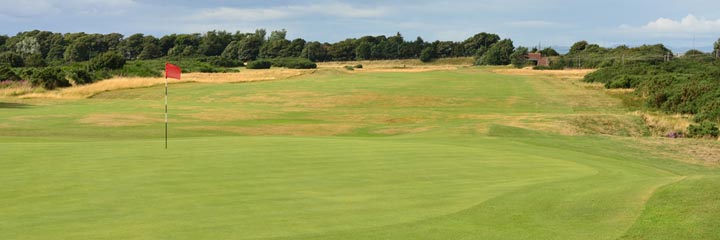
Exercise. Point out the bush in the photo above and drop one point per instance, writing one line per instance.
(224, 62)
(81, 76)
(6, 73)
(107, 61)
(294, 63)
(205, 68)
(142, 69)
(35, 60)
(705, 129)
(551, 67)
(619, 82)
(259, 64)
(359, 66)
(12, 59)
(49, 78)
(350, 68)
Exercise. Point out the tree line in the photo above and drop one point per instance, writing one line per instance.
(43, 48)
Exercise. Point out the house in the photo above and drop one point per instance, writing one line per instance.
(539, 59)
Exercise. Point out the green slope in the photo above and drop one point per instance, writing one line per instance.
(435, 155)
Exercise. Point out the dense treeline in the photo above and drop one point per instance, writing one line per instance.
(42, 48)
(586, 55)
(78, 56)
(688, 85)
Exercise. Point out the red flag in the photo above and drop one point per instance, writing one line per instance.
(172, 71)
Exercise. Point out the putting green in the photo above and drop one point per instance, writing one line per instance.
(462, 154)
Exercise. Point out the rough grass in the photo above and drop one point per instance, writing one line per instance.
(462, 154)
(399, 66)
(85, 91)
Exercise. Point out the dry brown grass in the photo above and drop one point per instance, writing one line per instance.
(23, 118)
(402, 66)
(569, 73)
(120, 120)
(17, 91)
(402, 130)
(86, 91)
(326, 129)
(664, 124)
(701, 152)
(225, 115)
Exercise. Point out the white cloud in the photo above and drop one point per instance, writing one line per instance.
(239, 14)
(25, 9)
(689, 24)
(274, 13)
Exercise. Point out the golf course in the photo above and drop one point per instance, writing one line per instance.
(448, 153)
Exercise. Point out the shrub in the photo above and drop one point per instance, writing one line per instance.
(224, 62)
(705, 129)
(81, 76)
(35, 60)
(551, 67)
(142, 69)
(205, 68)
(6, 73)
(294, 63)
(359, 66)
(350, 68)
(107, 61)
(259, 64)
(12, 59)
(619, 82)
(49, 78)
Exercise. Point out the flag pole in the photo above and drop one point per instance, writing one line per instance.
(166, 111)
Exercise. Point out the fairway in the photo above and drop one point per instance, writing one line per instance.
(451, 154)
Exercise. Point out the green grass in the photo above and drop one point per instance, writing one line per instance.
(463, 154)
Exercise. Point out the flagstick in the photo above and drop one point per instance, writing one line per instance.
(166, 112)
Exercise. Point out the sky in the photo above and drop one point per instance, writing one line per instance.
(679, 24)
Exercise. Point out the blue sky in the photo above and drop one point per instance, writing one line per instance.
(528, 22)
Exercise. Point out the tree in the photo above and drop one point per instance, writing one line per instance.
(314, 51)
(35, 60)
(132, 46)
(151, 48)
(717, 48)
(57, 48)
(427, 54)
(342, 51)
(107, 61)
(498, 54)
(3, 39)
(277, 35)
(213, 43)
(11, 59)
(232, 51)
(519, 57)
(167, 42)
(694, 52)
(578, 47)
(364, 51)
(244, 50)
(479, 41)
(28, 46)
(274, 48)
(550, 52)
(295, 49)
(79, 50)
